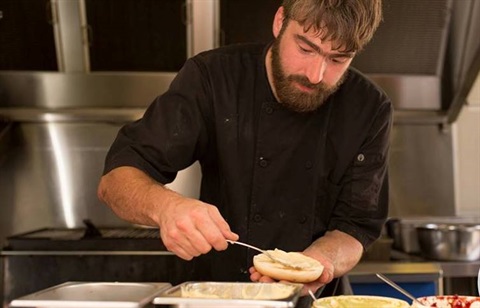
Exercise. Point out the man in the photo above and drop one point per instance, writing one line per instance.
(292, 142)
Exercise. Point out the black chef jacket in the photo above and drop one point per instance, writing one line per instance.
(280, 178)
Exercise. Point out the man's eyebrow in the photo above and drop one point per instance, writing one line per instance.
(321, 52)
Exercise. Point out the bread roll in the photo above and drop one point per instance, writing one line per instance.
(302, 268)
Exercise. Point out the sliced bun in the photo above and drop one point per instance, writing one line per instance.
(304, 269)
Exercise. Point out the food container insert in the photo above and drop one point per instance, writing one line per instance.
(450, 242)
(230, 294)
(94, 294)
(404, 230)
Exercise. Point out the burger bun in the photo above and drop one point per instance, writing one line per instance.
(303, 269)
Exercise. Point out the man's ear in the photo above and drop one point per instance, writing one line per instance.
(278, 21)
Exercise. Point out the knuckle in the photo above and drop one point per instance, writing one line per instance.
(173, 235)
(199, 213)
(213, 210)
(219, 243)
(205, 249)
(182, 224)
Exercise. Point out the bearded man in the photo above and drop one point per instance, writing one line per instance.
(292, 142)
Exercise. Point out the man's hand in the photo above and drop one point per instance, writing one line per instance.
(326, 276)
(312, 286)
(337, 251)
(189, 227)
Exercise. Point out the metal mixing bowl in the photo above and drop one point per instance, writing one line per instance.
(450, 242)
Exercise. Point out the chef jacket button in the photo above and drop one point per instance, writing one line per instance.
(360, 157)
(257, 218)
(269, 110)
(263, 162)
(308, 164)
(302, 219)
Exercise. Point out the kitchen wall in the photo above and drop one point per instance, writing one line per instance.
(467, 155)
(434, 167)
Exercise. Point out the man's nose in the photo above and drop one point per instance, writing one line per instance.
(316, 69)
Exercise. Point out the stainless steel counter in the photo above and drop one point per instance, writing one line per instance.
(450, 269)
(25, 272)
(452, 277)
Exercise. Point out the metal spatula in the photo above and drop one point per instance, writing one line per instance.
(265, 252)
(400, 289)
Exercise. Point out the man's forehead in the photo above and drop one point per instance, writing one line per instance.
(318, 39)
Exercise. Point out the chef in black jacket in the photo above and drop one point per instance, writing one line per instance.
(292, 143)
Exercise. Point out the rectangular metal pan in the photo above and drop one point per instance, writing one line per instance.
(93, 295)
(230, 294)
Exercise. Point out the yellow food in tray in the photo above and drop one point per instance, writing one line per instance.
(359, 301)
(254, 291)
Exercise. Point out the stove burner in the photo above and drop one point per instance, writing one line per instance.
(90, 238)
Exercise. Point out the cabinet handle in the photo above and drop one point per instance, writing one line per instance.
(186, 12)
(87, 35)
(51, 12)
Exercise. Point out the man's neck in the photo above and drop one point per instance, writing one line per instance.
(268, 67)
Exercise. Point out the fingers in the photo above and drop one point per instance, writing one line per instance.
(222, 225)
(176, 242)
(254, 275)
(257, 277)
(327, 274)
(212, 228)
(312, 286)
(191, 228)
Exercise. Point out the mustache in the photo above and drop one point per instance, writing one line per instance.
(304, 82)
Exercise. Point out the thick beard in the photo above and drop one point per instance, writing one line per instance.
(289, 95)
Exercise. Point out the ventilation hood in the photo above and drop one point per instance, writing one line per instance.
(425, 55)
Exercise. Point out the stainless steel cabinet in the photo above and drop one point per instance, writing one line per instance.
(27, 36)
(136, 35)
(93, 35)
(244, 21)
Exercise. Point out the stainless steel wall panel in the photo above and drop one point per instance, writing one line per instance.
(119, 90)
(86, 115)
(421, 171)
(49, 176)
(51, 170)
(68, 121)
(98, 90)
(411, 92)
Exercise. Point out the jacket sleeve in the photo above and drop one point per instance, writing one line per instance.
(171, 135)
(361, 206)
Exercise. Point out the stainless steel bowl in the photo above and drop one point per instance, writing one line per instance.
(450, 242)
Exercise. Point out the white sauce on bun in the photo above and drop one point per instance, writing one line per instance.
(301, 268)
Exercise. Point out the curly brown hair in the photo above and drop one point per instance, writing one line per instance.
(349, 23)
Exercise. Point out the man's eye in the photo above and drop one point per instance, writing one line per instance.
(338, 60)
(304, 50)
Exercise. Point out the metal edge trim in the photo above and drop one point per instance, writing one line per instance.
(83, 252)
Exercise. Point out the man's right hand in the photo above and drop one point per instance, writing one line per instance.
(190, 227)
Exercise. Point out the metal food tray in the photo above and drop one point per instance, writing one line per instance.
(230, 294)
(93, 295)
